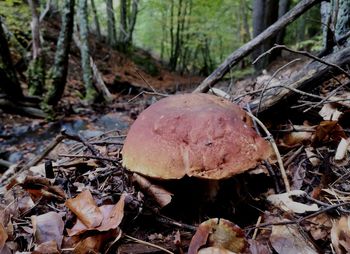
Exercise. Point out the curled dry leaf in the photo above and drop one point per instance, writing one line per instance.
(3, 236)
(340, 235)
(160, 195)
(285, 202)
(85, 208)
(112, 217)
(219, 233)
(286, 239)
(328, 132)
(48, 227)
(320, 226)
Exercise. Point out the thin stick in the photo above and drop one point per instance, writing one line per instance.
(278, 155)
(148, 244)
(257, 228)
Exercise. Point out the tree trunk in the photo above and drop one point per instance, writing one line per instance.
(123, 23)
(111, 36)
(36, 69)
(132, 20)
(283, 8)
(96, 20)
(59, 70)
(90, 92)
(247, 48)
(342, 27)
(264, 14)
(9, 82)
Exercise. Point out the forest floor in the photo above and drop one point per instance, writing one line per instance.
(86, 162)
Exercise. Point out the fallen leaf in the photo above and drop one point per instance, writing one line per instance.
(287, 204)
(257, 247)
(312, 156)
(342, 149)
(3, 236)
(286, 239)
(112, 217)
(46, 248)
(219, 233)
(48, 227)
(215, 250)
(97, 243)
(84, 207)
(320, 226)
(160, 195)
(328, 132)
(330, 112)
(340, 235)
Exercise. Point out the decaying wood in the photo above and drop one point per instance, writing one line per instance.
(247, 48)
(21, 108)
(307, 78)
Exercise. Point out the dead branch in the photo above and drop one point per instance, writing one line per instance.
(307, 78)
(247, 48)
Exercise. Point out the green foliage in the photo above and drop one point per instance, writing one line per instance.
(17, 19)
(216, 24)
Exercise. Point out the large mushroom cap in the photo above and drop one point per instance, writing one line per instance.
(197, 135)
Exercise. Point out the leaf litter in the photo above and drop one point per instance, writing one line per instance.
(93, 205)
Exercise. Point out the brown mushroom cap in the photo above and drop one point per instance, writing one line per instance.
(197, 135)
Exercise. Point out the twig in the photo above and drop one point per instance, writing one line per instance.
(305, 53)
(89, 157)
(274, 146)
(256, 228)
(148, 244)
(273, 75)
(167, 220)
(298, 221)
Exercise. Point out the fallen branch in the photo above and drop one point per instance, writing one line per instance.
(307, 78)
(247, 48)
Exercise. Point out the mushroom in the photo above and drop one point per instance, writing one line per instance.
(198, 135)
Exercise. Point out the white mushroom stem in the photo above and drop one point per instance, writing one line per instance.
(274, 146)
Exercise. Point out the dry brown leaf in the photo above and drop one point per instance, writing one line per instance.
(112, 217)
(286, 239)
(215, 250)
(320, 226)
(84, 207)
(295, 138)
(286, 203)
(328, 132)
(160, 195)
(340, 235)
(3, 236)
(96, 243)
(46, 248)
(48, 227)
(219, 233)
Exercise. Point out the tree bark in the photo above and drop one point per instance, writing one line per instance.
(96, 20)
(9, 81)
(111, 36)
(264, 14)
(36, 69)
(90, 92)
(247, 48)
(59, 70)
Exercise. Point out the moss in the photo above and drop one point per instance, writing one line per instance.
(90, 95)
(36, 76)
(146, 64)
